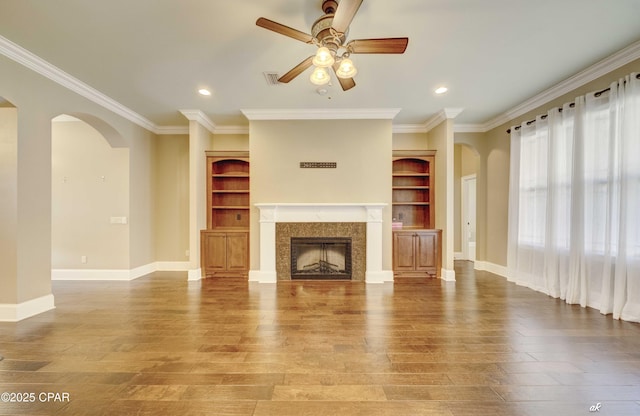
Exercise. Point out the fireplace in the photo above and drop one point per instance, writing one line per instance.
(320, 258)
(279, 222)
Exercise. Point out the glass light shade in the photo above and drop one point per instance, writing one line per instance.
(323, 58)
(346, 69)
(320, 76)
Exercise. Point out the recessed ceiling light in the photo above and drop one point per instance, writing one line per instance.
(204, 91)
(441, 90)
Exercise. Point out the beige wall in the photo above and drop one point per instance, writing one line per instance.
(172, 198)
(38, 101)
(90, 184)
(361, 148)
(410, 141)
(199, 143)
(227, 142)
(8, 206)
(440, 139)
(466, 163)
(142, 189)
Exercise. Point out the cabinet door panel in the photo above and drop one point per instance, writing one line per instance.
(403, 251)
(237, 251)
(425, 251)
(215, 252)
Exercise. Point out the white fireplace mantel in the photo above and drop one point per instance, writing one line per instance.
(270, 214)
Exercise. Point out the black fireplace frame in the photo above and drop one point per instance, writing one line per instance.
(296, 242)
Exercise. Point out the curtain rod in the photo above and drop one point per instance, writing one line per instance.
(597, 94)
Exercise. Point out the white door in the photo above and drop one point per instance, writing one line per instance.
(469, 217)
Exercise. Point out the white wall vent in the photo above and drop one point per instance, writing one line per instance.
(272, 78)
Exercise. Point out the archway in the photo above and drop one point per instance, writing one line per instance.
(466, 168)
(90, 199)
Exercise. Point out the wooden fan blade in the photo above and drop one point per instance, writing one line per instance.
(345, 12)
(297, 70)
(386, 45)
(345, 83)
(284, 30)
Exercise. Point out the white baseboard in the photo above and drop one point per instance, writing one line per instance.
(142, 270)
(91, 274)
(490, 267)
(458, 255)
(262, 277)
(16, 312)
(193, 275)
(448, 275)
(379, 277)
(122, 274)
(172, 266)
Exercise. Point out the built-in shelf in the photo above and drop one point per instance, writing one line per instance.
(401, 174)
(412, 189)
(230, 207)
(416, 245)
(411, 203)
(225, 243)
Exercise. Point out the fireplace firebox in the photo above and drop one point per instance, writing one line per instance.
(321, 258)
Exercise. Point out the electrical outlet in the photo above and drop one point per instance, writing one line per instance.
(83, 259)
(186, 253)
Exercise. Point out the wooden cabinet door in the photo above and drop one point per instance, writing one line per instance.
(403, 251)
(214, 252)
(237, 251)
(425, 258)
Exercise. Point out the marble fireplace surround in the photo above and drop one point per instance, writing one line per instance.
(368, 213)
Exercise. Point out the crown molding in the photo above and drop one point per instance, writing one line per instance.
(409, 128)
(322, 114)
(603, 67)
(469, 128)
(201, 118)
(171, 130)
(232, 130)
(44, 68)
(444, 114)
(452, 112)
(434, 121)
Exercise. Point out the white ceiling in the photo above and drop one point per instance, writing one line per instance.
(152, 56)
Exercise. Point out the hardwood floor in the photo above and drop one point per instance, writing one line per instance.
(163, 346)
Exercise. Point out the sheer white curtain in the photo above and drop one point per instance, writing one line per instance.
(574, 202)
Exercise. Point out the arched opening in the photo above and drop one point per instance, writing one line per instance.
(90, 199)
(466, 167)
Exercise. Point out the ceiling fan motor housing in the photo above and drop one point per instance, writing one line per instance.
(322, 32)
(329, 6)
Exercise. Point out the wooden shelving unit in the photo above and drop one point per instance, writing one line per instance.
(413, 196)
(225, 243)
(228, 190)
(417, 247)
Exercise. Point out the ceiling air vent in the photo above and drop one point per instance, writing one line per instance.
(271, 77)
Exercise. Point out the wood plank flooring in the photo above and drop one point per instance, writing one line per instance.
(163, 346)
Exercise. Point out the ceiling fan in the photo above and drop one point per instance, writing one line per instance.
(329, 34)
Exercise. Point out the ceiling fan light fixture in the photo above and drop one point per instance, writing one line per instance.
(346, 69)
(323, 58)
(320, 76)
